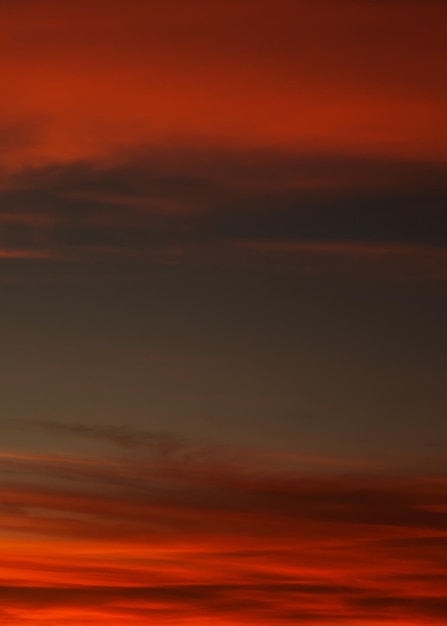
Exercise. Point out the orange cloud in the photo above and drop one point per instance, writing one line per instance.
(195, 543)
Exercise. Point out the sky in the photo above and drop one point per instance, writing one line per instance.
(223, 279)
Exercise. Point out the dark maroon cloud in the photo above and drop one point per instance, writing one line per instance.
(209, 206)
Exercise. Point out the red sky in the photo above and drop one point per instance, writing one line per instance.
(87, 78)
(223, 261)
(94, 85)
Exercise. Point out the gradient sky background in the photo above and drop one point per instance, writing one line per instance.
(223, 268)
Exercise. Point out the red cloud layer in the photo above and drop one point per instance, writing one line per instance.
(188, 542)
(84, 77)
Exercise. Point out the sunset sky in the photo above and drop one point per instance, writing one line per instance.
(223, 277)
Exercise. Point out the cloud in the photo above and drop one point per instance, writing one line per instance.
(165, 135)
(395, 261)
(8, 253)
(194, 206)
(243, 74)
(182, 537)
